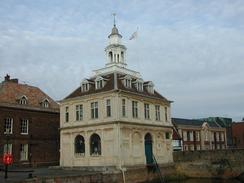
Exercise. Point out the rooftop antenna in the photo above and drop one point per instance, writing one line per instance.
(114, 14)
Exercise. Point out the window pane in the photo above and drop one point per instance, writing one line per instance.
(8, 125)
(24, 126)
(95, 145)
(123, 108)
(23, 152)
(108, 108)
(79, 144)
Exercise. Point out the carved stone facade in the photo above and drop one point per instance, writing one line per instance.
(115, 118)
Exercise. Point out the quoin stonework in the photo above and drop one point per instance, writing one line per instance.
(115, 118)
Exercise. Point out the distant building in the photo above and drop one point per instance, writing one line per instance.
(115, 118)
(30, 121)
(238, 134)
(200, 135)
(176, 140)
(225, 123)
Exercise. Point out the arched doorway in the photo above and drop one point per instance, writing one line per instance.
(148, 148)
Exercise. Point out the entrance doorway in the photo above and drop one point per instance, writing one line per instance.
(148, 148)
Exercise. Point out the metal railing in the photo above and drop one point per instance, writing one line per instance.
(158, 170)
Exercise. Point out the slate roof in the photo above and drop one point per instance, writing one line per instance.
(187, 122)
(192, 122)
(11, 91)
(110, 85)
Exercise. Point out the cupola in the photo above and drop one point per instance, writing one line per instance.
(115, 51)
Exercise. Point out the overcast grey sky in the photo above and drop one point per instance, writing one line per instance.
(192, 50)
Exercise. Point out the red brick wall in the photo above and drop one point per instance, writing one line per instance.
(238, 134)
(43, 135)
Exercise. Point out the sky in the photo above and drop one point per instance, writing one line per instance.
(192, 50)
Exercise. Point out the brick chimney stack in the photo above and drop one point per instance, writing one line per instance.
(7, 79)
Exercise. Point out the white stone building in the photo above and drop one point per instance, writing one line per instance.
(115, 118)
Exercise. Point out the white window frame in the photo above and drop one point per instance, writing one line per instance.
(123, 107)
(45, 103)
(166, 113)
(79, 112)
(85, 86)
(23, 100)
(24, 152)
(8, 148)
(134, 109)
(157, 112)
(24, 126)
(108, 108)
(94, 110)
(140, 86)
(146, 111)
(222, 136)
(8, 128)
(127, 83)
(150, 87)
(99, 82)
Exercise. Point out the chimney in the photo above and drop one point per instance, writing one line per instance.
(7, 79)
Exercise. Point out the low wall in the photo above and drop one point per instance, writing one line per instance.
(131, 175)
(205, 164)
(219, 163)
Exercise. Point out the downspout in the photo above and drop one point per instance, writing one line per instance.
(119, 148)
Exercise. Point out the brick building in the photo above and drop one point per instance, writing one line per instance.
(200, 135)
(224, 123)
(238, 134)
(30, 121)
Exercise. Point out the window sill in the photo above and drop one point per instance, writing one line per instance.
(96, 155)
(5, 133)
(79, 155)
(23, 133)
(24, 160)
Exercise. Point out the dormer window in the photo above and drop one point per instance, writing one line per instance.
(149, 87)
(23, 100)
(99, 82)
(45, 103)
(139, 85)
(85, 86)
(127, 82)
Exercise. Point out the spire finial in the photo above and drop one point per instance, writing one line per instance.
(114, 14)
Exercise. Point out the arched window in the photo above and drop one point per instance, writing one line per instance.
(95, 145)
(148, 138)
(79, 144)
(110, 56)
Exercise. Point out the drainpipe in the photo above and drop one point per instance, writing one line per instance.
(120, 166)
(123, 173)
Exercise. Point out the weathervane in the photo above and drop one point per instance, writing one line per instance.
(114, 14)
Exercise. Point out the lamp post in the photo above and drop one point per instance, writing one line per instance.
(6, 153)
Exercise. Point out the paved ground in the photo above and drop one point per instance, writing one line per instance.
(17, 175)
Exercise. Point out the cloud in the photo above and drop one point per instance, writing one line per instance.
(191, 50)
